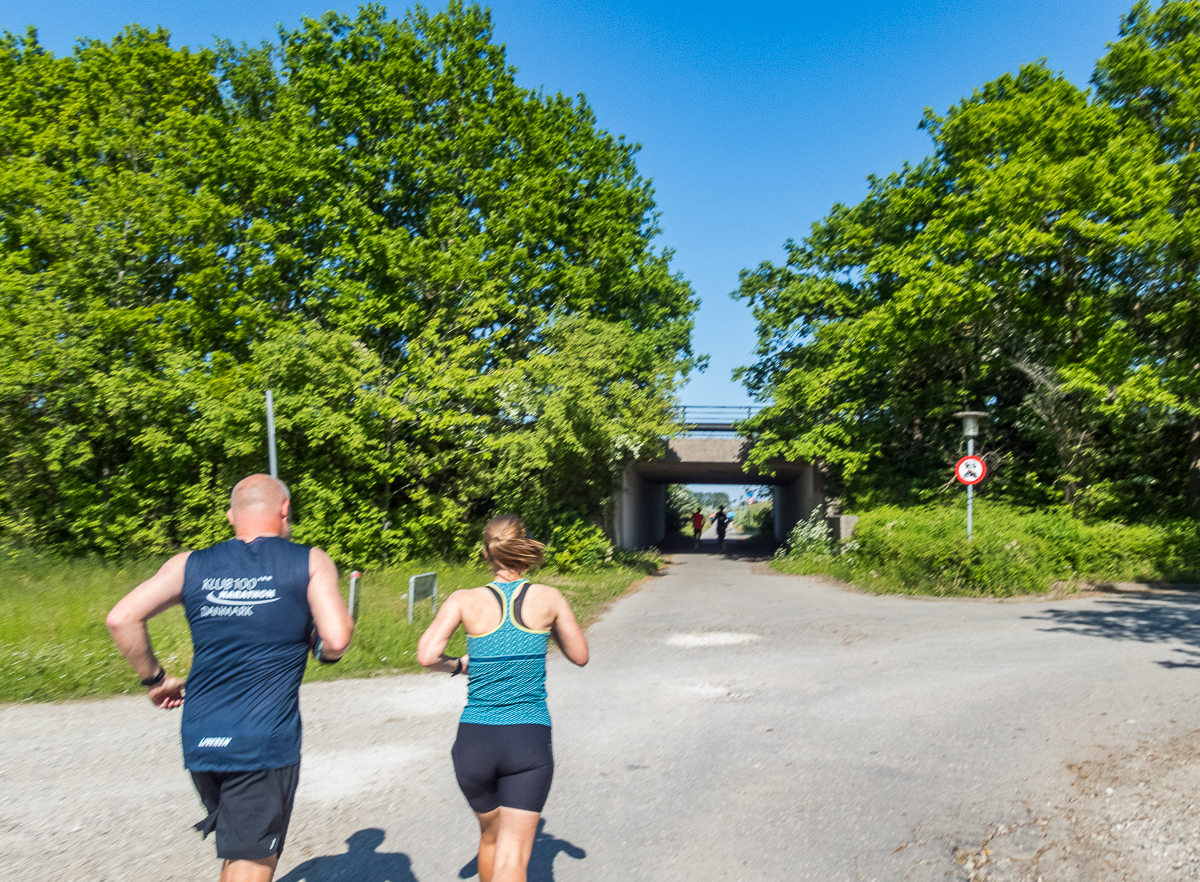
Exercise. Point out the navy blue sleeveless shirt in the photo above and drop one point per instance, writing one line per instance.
(247, 605)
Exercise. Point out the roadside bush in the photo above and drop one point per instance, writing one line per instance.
(579, 546)
(756, 520)
(808, 538)
(923, 550)
(681, 503)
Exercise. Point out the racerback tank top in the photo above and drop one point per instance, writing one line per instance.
(247, 605)
(507, 669)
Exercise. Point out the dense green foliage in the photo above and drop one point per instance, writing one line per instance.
(808, 539)
(447, 281)
(578, 546)
(681, 505)
(921, 550)
(1041, 265)
(713, 499)
(53, 643)
(757, 519)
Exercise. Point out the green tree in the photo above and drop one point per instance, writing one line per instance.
(713, 499)
(1001, 273)
(447, 281)
(1152, 76)
(681, 505)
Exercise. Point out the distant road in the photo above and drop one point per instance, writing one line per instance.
(733, 725)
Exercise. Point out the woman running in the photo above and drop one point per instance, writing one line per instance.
(502, 757)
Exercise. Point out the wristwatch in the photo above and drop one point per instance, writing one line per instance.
(151, 682)
(318, 653)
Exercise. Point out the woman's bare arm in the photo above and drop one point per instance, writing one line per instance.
(566, 631)
(431, 648)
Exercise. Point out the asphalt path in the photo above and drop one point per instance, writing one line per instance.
(734, 724)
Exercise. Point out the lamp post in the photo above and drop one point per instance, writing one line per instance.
(970, 420)
(271, 460)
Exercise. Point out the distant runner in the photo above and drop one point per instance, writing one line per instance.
(251, 604)
(722, 521)
(697, 527)
(502, 756)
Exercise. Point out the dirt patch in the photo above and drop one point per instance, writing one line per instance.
(1127, 814)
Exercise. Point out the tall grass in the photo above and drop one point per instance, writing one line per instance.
(54, 644)
(923, 550)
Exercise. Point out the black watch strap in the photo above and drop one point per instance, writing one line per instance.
(151, 682)
(319, 655)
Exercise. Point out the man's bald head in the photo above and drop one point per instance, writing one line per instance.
(258, 492)
(259, 505)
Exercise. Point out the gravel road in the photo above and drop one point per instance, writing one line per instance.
(734, 724)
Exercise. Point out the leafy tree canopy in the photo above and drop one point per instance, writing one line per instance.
(1041, 265)
(447, 281)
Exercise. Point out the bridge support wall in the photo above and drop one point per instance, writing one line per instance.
(639, 512)
(794, 502)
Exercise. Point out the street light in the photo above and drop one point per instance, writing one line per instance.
(272, 463)
(970, 419)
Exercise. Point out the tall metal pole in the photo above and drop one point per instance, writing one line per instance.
(970, 420)
(970, 488)
(271, 437)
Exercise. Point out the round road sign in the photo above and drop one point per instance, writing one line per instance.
(970, 470)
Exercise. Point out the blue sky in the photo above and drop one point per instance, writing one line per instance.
(754, 118)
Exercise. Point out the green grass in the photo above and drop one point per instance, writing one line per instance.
(923, 550)
(54, 645)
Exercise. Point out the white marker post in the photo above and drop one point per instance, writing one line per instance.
(970, 470)
(354, 577)
(271, 461)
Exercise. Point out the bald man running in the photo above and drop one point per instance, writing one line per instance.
(252, 604)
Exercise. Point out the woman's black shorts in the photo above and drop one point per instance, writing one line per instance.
(509, 766)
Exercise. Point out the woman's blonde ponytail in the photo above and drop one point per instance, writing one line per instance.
(507, 545)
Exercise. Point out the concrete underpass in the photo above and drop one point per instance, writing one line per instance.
(639, 512)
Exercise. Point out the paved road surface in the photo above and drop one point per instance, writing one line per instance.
(733, 725)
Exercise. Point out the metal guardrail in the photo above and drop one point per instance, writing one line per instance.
(715, 417)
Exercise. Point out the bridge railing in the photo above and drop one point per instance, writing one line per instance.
(704, 418)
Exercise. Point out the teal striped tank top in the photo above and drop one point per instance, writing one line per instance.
(507, 670)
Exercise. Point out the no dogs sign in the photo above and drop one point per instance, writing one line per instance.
(970, 470)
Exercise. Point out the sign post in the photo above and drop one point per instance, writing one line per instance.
(970, 470)
(353, 604)
(271, 461)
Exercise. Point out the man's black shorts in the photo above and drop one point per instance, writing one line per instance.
(249, 811)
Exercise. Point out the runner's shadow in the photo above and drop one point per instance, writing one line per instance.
(541, 863)
(362, 863)
(751, 549)
(1159, 618)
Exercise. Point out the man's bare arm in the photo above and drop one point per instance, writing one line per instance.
(127, 624)
(334, 625)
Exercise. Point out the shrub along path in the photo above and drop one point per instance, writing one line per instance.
(923, 550)
(733, 724)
